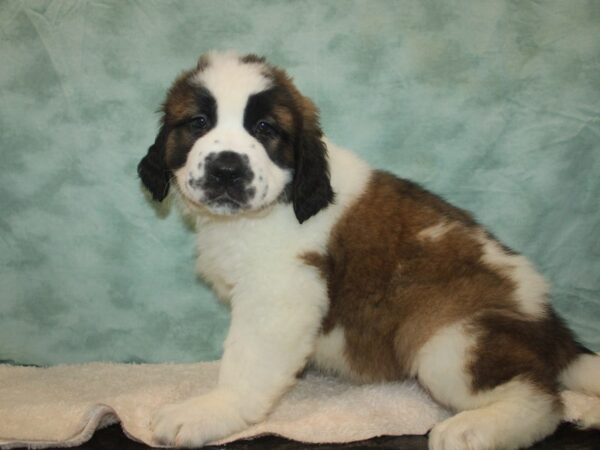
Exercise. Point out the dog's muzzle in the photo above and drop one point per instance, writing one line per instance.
(226, 180)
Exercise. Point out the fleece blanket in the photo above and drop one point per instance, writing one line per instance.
(64, 405)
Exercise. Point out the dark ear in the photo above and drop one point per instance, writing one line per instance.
(153, 170)
(311, 187)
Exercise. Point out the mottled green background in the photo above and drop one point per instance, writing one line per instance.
(494, 104)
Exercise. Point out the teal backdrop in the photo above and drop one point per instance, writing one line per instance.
(494, 104)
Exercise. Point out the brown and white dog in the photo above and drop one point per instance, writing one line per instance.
(327, 261)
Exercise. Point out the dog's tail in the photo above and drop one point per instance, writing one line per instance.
(583, 375)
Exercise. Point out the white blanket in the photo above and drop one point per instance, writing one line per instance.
(64, 405)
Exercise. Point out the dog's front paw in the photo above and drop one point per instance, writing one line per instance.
(464, 431)
(197, 421)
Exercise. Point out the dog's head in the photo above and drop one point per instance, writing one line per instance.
(237, 136)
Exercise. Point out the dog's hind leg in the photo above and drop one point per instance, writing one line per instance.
(583, 375)
(510, 415)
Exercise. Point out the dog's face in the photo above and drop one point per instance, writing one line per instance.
(237, 136)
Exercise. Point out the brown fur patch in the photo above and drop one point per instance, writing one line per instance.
(284, 118)
(253, 59)
(509, 345)
(203, 63)
(180, 101)
(310, 113)
(391, 291)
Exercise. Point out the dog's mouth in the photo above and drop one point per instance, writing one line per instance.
(233, 196)
(226, 200)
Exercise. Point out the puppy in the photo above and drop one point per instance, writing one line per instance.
(327, 261)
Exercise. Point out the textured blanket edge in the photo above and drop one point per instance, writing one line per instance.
(100, 416)
(80, 399)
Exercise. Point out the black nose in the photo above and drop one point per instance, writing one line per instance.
(227, 167)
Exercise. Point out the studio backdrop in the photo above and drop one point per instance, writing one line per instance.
(493, 104)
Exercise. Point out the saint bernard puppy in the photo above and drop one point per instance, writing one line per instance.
(326, 261)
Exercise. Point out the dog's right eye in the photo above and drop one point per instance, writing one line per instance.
(199, 123)
(264, 128)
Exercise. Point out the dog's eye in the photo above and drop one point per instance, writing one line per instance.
(264, 128)
(199, 123)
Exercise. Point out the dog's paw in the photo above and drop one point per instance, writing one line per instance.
(197, 421)
(462, 432)
(590, 418)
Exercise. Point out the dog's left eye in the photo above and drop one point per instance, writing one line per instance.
(264, 128)
(199, 123)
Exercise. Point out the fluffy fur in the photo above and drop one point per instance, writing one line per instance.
(327, 261)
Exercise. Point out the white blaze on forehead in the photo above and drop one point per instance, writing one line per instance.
(231, 82)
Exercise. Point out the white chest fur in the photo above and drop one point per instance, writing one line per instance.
(329, 354)
(267, 244)
(259, 251)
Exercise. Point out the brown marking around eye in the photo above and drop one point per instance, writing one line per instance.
(180, 102)
(303, 105)
(284, 118)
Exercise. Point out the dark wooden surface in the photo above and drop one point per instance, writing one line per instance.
(566, 437)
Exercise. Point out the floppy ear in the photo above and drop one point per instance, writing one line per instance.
(311, 187)
(153, 170)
